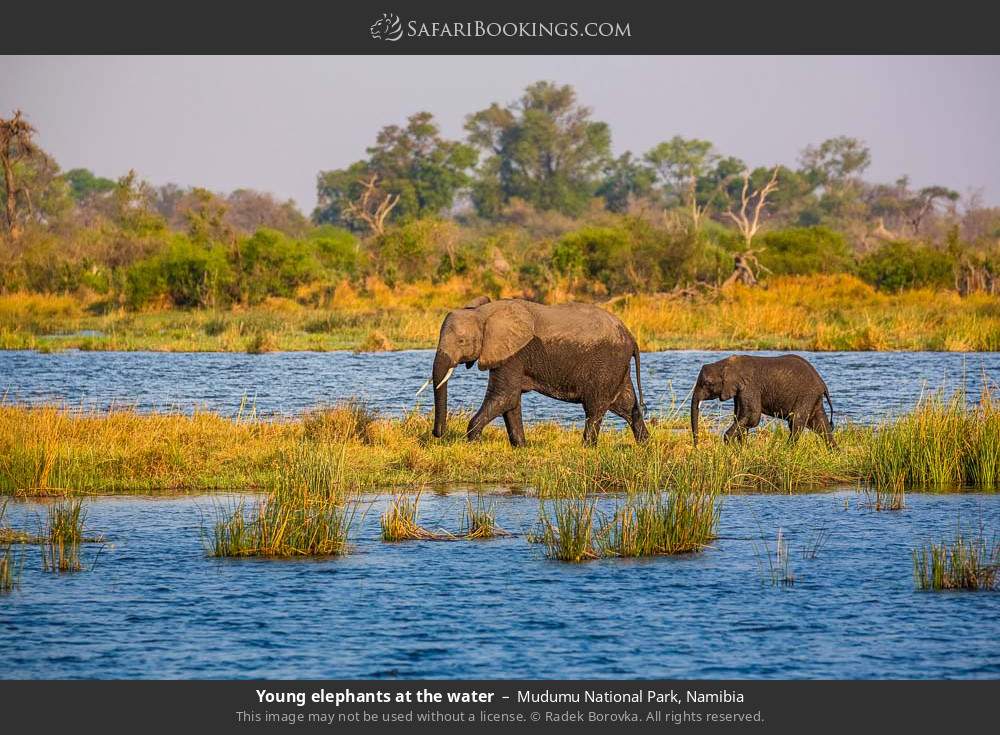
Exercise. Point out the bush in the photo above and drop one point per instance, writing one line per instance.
(804, 250)
(899, 265)
(633, 256)
(188, 275)
(336, 249)
(411, 252)
(272, 264)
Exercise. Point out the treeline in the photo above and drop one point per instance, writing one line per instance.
(531, 202)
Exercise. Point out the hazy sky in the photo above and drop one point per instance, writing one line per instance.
(271, 123)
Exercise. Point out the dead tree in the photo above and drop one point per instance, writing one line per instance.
(746, 266)
(15, 145)
(371, 207)
(747, 218)
(746, 269)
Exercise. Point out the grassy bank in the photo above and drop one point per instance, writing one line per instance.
(50, 450)
(836, 312)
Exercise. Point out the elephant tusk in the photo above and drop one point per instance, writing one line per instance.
(424, 386)
(445, 379)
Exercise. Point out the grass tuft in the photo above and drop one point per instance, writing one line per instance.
(62, 537)
(568, 529)
(11, 564)
(962, 564)
(480, 521)
(653, 523)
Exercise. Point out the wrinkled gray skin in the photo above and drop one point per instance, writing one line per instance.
(785, 387)
(572, 352)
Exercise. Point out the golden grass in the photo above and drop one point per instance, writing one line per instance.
(818, 312)
(50, 450)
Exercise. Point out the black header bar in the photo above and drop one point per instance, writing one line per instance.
(513, 26)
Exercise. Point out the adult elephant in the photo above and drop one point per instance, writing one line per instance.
(572, 352)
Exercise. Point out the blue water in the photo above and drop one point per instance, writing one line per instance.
(155, 606)
(864, 385)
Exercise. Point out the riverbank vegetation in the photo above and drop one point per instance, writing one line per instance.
(815, 312)
(690, 245)
(50, 450)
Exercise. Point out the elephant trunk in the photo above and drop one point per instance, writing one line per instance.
(442, 365)
(697, 396)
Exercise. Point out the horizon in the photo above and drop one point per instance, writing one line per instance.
(199, 121)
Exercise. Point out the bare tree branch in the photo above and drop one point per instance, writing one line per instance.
(369, 209)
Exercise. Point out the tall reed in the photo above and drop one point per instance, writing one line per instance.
(62, 537)
(285, 524)
(480, 520)
(651, 523)
(568, 529)
(961, 564)
(308, 513)
(11, 564)
(941, 444)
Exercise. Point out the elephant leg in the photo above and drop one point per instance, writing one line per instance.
(515, 429)
(626, 405)
(797, 421)
(819, 423)
(736, 432)
(592, 429)
(482, 418)
(503, 393)
(747, 417)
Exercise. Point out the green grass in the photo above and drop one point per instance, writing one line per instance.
(480, 520)
(11, 564)
(50, 450)
(654, 523)
(568, 529)
(940, 444)
(399, 522)
(286, 523)
(961, 564)
(63, 536)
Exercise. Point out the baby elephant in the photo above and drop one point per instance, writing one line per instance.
(785, 387)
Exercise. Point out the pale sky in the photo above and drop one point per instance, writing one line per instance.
(271, 123)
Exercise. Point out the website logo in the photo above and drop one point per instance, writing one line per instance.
(387, 28)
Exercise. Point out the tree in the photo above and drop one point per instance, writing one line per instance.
(544, 148)
(836, 162)
(747, 219)
(679, 164)
(16, 147)
(372, 206)
(83, 183)
(249, 211)
(624, 180)
(414, 165)
(924, 202)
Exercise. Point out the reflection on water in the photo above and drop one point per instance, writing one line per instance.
(864, 385)
(155, 606)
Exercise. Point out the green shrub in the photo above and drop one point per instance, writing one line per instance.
(336, 248)
(899, 265)
(188, 275)
(272, 264)
(802, 250)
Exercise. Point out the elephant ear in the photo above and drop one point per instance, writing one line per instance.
(477, 302)
(506, 331)
(730, 382)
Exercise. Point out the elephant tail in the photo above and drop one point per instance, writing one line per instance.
(830, 404)
(638, 378)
